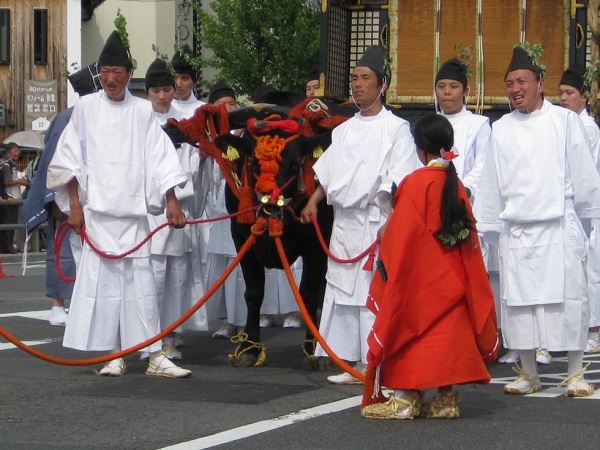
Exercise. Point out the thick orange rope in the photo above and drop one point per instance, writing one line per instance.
(101, 359)
(307, 319)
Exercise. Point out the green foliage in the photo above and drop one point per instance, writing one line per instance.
(261, 41)
(591, 74)
(165, 58)
(121, 26)
(457, 236)
(535, 53)
(464, 56)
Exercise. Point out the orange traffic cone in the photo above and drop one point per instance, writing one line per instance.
(2, 274)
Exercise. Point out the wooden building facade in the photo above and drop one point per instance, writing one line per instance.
(33, 46)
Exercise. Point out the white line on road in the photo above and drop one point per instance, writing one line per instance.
(266, 425)
(8, 345)
(40, 315)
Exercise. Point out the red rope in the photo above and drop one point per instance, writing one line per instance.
(101, 359)
(64, 228)
(369, 250)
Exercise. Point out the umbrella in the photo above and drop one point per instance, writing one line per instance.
(28, 138)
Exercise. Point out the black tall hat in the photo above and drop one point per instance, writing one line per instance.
(452, 69)
(158, 75)
(181, 66)
(114, 53)
(573, 76)
(220, 90)
(374, 59)
(521, 60)
(313, 74)
(86, 80)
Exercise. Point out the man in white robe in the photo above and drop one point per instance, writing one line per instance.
(538, 177)
(368, 153)
(571, 91)
(179, 282)
(112, 166)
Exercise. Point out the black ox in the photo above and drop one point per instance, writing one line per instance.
(269, 167)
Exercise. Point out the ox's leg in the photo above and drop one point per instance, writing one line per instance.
(313, 282)
(254, 277)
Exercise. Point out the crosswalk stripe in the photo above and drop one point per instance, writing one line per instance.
(39, 315)
(9, 346)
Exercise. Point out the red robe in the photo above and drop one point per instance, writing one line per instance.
(435, 317)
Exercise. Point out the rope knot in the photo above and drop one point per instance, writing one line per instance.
(259, 227)
(275, 227)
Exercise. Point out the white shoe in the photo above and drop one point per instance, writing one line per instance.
(144, 356)
(292, 321)
(592, 345)
(347, 378)
(172, 352)
(225, 332)
(266, 321)
(542, 356)
(58, 316)
(161, 366)
(511, 357)
(114, 368)
(576, 385)
(524, 384)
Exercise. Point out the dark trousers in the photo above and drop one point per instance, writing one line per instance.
(8, 214)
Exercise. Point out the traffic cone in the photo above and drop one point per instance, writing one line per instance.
(2, 274)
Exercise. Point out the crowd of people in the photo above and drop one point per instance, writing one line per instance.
(483, 228)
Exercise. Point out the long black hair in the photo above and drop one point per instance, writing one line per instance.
(433, 133)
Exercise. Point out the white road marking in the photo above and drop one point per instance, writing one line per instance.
(40, 315)
(266, 425)
(8, 345)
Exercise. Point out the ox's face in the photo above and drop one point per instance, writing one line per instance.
(275, 178)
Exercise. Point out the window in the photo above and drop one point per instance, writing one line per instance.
(4, 36)
(40, 36)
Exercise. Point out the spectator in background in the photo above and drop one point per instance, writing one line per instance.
(312, 83)
(13, 183)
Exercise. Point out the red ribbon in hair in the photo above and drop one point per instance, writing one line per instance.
(449, 154)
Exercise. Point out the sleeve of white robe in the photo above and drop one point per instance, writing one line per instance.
(162, 163)
(584, 175)
(474, 166)
(403, 161)
(67, 163)
(488, 201)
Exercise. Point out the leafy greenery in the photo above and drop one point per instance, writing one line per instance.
(464, 56)
(121, 26)
(165, 58)
(591, 74)
(535, 53)
(261, 41)
(459, 234)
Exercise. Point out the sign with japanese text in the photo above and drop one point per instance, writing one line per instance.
(41, 103)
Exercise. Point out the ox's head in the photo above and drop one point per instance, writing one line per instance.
(273, 157)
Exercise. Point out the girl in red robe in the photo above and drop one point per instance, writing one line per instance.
(435, 319)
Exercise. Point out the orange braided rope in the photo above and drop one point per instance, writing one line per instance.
(307, 319)
(101, 359)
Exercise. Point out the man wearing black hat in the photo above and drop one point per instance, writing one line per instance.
(471, 131)
(112, 166)
(312, 82)
(177, 276)
(538, 178)
(368, 153)
(185, 79)
(572, 94)
(39, 207)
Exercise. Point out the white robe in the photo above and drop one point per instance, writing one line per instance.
(124, 164)
(175, 259)
(366, 156)
(538, 173)
(593, 227)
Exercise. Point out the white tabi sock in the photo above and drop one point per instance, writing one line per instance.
(575, 362)
(528, 362)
